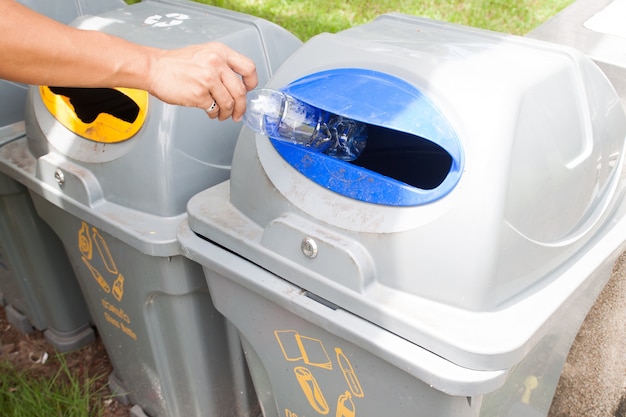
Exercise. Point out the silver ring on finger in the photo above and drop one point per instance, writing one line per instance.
(212, 108)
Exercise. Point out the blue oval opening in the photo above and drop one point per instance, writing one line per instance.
(413, 155)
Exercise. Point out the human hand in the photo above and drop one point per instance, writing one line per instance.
(200, 75)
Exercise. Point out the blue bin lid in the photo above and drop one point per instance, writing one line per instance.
(379, 99)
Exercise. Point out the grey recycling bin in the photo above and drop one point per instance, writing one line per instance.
(39, 290)
(445, 271)
(111, 170)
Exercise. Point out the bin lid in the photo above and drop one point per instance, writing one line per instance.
(377, 99)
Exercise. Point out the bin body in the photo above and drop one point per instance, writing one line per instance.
(478, 226)
(41, 291)
(111, 170)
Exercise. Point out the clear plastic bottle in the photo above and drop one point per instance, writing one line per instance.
(281, 116)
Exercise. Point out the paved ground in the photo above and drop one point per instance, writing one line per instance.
(593, 382)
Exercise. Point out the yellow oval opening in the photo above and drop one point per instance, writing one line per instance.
(106, 115)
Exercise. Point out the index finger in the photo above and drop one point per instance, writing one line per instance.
(245, 67)
(237, 91)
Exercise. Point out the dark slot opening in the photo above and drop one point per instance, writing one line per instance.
(405, 157)
(321, 300)
(90, 102)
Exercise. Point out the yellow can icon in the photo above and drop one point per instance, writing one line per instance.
(311, 390)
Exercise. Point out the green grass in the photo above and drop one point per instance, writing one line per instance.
(65, 394)
(306, 18)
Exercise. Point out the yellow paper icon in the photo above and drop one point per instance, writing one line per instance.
(296, 347)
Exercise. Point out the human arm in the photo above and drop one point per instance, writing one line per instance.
(39, 50)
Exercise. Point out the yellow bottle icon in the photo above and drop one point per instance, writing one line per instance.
(118, 288)
(348, 373)
(97, 276)
(345, 406)
(105, 254)
(85, 245)
(530, 384)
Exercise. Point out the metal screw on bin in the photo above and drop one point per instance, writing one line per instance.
(309, 247)
(59, 176)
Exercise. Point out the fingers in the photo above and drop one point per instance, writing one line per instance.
(237, 91)
(198, 75)
(237, 78)
(227, 95)
(245, 67)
